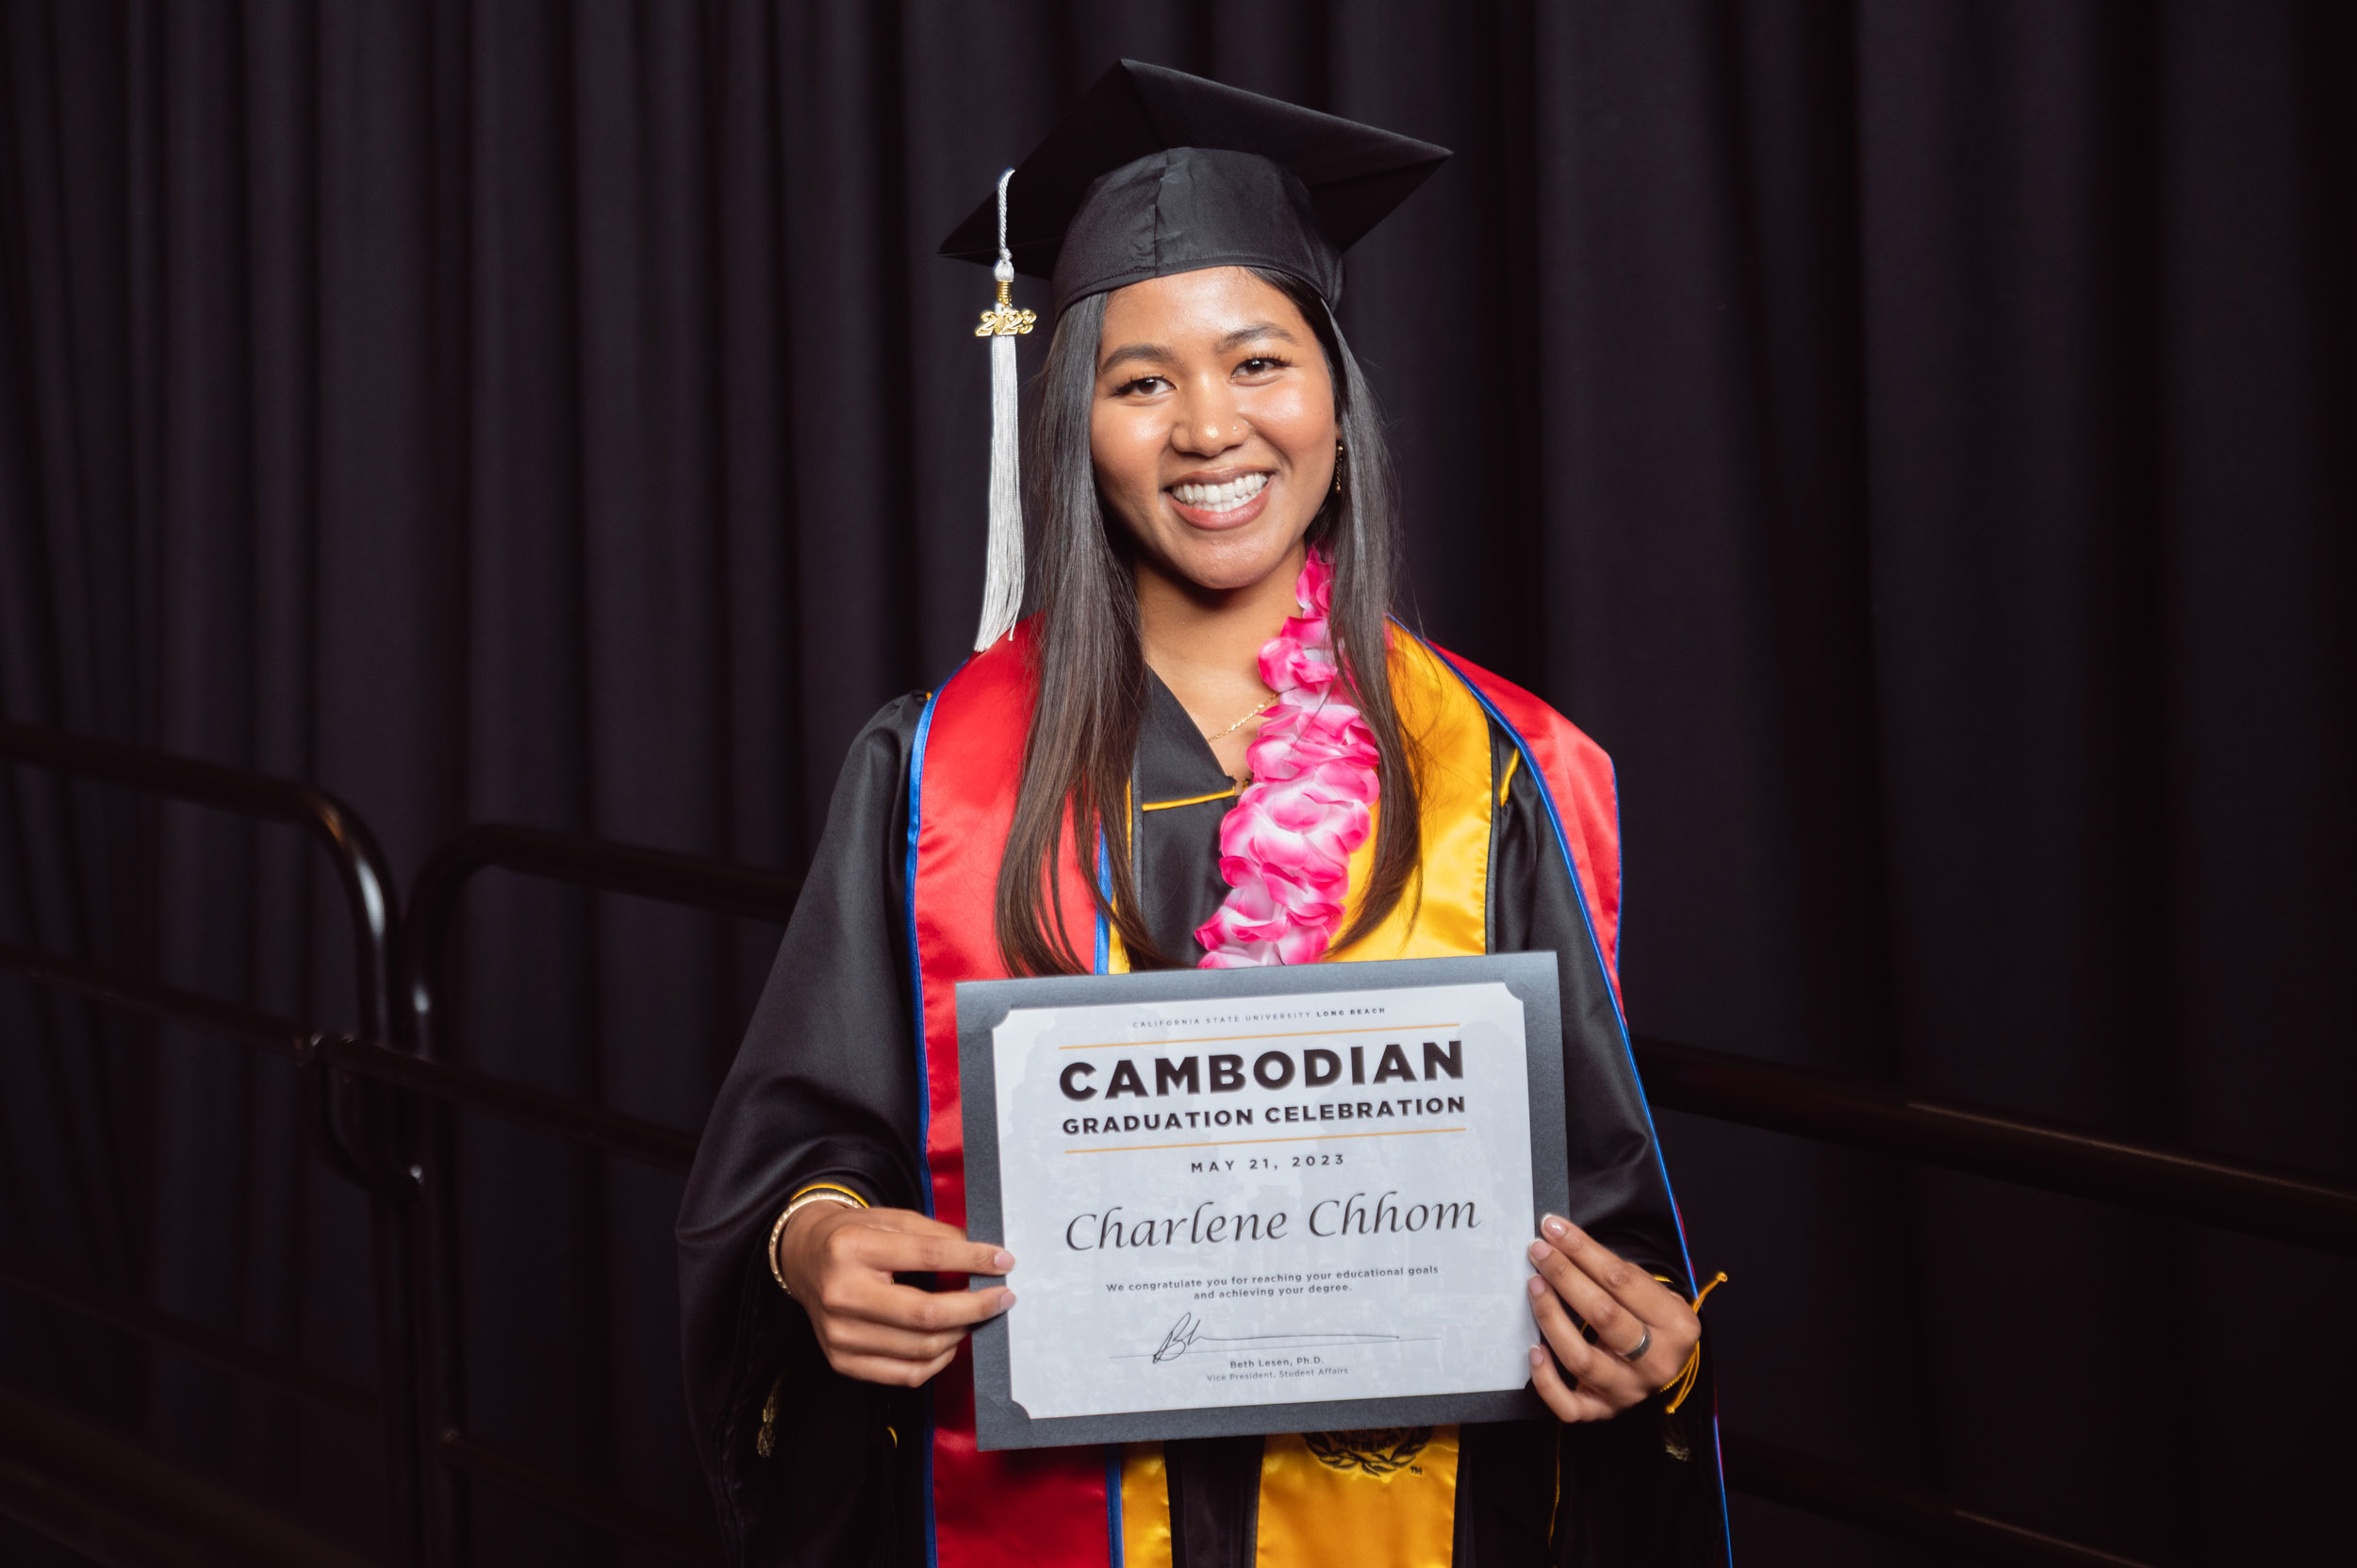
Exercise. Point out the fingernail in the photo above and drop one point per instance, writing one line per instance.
(1553, 1225)
(1002, 1261)
(1538, 1357)
(1538, 1287)
(1538, 1251)
(1006, 1299)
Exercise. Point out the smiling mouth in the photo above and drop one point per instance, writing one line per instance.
(1226, 496)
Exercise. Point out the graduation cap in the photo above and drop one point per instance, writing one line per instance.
(1155, 172)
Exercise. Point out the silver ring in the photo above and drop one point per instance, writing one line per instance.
(1636, 1353)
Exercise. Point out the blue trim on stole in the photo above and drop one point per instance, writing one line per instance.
(924, 1075)
(1571, 863)
(1113, 1450)
(1112, 1504)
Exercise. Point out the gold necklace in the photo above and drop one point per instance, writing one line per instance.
(1245, 719)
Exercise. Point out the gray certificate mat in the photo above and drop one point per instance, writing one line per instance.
(1261, 1200)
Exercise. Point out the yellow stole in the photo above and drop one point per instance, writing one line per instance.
(1355, 1499)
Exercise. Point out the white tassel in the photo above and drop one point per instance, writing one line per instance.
(1002, 583)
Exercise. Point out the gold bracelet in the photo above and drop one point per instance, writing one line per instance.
(801, 1200)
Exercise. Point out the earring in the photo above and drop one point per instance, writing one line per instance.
(1338, 456)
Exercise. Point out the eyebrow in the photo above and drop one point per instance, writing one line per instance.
(1151, 352)
(1158, 353)
(1244, 335)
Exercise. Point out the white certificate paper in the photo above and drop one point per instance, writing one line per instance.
(1225, 1202)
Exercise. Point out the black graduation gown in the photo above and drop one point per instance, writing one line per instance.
(825, 1088)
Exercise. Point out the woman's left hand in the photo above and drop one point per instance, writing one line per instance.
(1625, 1306)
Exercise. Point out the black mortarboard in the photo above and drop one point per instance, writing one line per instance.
(1155, 172)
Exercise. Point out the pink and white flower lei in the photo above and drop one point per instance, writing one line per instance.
(1284, 848)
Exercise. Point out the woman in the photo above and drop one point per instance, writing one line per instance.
(1210, 691)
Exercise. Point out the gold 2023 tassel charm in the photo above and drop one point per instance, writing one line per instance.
(1004, 320)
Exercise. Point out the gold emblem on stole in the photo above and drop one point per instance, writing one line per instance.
(1378, 1451)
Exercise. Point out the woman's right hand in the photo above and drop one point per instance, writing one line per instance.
(839, 1264)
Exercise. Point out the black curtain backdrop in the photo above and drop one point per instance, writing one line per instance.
(1914, 437)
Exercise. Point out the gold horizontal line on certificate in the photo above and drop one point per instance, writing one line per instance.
(1280, 1034)
(1304, 1138)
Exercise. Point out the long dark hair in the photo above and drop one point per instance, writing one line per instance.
(1092, 671)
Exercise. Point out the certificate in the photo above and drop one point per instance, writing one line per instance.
(1261, 1200)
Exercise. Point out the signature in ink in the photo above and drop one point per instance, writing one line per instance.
(1181, 1339)
(1188, 1332)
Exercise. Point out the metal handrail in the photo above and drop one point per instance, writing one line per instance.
(713, 886)
(666, 1148)
(645, 1141)
(360, 865)
(1890, 1119)
(367, 882)
(1779, 1474)
(2283, 1205)
(717, 886)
